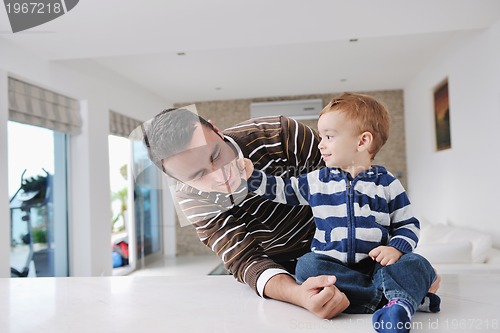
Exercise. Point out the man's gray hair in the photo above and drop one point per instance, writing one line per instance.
(169, 133)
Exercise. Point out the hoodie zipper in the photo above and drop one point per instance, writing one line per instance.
(351, 229)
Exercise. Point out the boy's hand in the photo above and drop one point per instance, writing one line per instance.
(246, 168)
(385, 255)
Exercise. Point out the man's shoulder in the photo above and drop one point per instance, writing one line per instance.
(257, 133)
(262, 125)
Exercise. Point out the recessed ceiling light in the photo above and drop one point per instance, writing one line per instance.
(181, 53)
(353, 40)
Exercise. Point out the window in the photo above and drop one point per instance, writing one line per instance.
(139, 229)
(38, 201)
(121, 224)
(40, 122)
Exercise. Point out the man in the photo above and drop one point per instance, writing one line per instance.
(257, 240)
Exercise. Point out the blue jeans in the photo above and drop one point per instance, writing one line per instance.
(367, 284)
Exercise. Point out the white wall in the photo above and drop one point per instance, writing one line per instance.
(99, 92)
(459, 186)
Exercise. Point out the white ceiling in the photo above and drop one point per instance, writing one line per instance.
(245, 49)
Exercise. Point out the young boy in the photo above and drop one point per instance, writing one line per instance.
(365, 232)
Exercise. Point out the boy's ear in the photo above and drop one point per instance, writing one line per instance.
(365, 141)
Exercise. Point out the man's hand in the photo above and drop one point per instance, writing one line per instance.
(385, 255)
(322, 297)
(317, 294)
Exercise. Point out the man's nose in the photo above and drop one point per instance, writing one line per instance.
(220, 173)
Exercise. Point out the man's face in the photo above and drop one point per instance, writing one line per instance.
(207, 163)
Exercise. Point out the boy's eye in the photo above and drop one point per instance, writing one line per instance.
(326, 137)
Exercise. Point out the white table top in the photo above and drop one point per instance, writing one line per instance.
(212, 304)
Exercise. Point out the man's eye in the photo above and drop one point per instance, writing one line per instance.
(199, 177)
(216, 156)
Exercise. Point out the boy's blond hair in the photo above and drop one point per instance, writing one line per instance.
(366, 113)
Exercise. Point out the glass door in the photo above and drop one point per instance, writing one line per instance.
(38, 201)
(121, 224)
(147, 204)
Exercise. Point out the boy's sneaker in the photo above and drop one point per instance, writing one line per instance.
(430, 303)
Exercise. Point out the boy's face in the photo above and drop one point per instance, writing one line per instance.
(208, 163)
(339, 141)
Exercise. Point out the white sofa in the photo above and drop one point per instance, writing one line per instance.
(453, 249)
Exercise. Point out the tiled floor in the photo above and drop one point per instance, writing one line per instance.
(179, 266)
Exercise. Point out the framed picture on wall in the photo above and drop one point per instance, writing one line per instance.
(442, 116)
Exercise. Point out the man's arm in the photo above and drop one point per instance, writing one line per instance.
(317, 294)
(228, 237)
(247, 262)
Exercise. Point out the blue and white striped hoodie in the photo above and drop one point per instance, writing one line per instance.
(352, 216)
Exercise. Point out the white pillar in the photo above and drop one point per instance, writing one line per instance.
(4, 179)
(90, 209)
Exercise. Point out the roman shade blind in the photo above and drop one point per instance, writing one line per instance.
(121, 125)
(32, 105)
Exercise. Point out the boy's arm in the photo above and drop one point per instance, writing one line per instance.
(290, 191)
(405, 228)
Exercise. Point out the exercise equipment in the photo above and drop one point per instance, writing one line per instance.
(34, 192)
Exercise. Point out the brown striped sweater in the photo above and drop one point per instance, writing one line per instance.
(251, 234)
